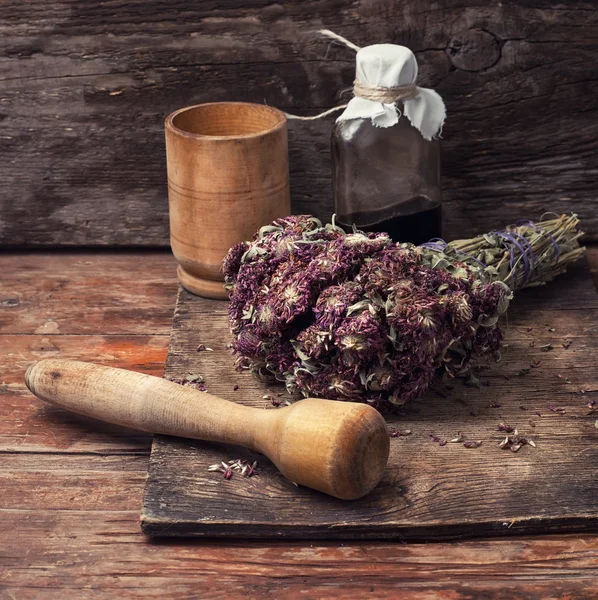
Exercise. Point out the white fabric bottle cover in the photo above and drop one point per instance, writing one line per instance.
(392, 66)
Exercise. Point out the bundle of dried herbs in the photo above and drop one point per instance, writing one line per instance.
(357, 317)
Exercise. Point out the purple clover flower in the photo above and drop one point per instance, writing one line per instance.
(354, 316)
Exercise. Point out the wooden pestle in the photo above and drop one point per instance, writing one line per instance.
(340, 448)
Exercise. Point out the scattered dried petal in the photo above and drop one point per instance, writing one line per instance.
(567, 343)
(536, 364)
(504, 427)
(458, 439)
(393, 433)
(437, 440)
(546, 347)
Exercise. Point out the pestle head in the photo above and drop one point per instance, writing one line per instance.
(339, 448)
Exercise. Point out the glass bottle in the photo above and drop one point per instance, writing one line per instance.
(387, 179)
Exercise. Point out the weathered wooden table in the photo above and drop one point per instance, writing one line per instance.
(70, 488)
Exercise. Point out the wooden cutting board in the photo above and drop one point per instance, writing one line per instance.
(430, 491)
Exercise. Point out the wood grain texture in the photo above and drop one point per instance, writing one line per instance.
(56, 549)
(100, 554)
(428, 491)
(75, 293)
(86, 86)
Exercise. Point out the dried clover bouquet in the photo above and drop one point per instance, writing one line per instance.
(357, 317)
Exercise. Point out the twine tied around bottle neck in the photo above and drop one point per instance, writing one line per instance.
(386, 95)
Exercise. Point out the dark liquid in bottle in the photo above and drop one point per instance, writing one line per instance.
(417, 227)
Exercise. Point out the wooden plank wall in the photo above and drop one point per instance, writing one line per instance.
(84, 88)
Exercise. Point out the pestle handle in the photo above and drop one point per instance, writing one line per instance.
(142, 402)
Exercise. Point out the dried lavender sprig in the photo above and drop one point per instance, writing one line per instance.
(522, 255)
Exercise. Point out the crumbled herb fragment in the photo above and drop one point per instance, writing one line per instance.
(522, 372)
(551, 329)
(195, 381)
(567, 343)
(196, 378)
(472, 381)
(515, 442)
(494, 405)
(473, 444)
(245, 467)
(563, 377)
(558, 409)
(546, 347)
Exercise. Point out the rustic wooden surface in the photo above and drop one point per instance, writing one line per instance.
(72, 488)
(428, 491)
(85, 87)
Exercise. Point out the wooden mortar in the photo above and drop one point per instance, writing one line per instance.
(228, 175)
